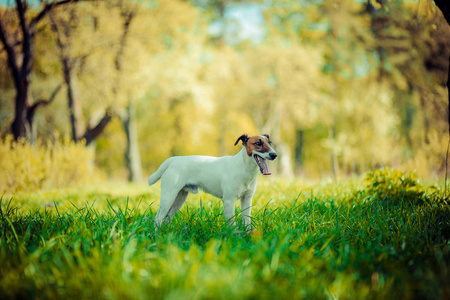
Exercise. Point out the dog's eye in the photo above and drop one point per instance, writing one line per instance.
(258, 144)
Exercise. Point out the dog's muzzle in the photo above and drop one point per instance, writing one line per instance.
(262, 164)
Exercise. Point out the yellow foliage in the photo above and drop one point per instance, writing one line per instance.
(26, 167)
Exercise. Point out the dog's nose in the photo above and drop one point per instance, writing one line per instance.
(273, 155)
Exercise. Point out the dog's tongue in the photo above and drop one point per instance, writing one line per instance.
(262, 165)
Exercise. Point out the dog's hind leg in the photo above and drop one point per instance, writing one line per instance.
(165, 202)
(179, 201)
(171, 185)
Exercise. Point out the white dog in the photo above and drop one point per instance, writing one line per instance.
(227, 177)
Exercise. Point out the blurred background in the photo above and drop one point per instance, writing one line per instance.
(342, 87)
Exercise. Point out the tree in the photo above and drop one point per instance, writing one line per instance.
(64, 25)
(444, 6)
(412, 45)
(149, 45)
(128, 115)
(20, 52)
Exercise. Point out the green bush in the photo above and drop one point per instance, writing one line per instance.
(26, 167)
(394, 186)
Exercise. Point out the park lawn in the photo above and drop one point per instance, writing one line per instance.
(386, 237)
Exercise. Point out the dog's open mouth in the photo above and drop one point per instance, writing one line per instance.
(262, 164)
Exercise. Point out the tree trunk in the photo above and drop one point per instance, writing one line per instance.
(20, 127)
(132, 155)
(448, 122)
(73, 101)
(222, 129)
(426, 122)
(444, 6)
(176, 125)
(285, 162)
(222, 110)
(334, 164)
(299, 151)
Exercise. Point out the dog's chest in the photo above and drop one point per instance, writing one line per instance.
(229, 187)
(247, 187)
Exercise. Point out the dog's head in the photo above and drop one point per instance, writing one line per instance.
(260, 148)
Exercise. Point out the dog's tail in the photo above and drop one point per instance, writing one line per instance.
(157, 175)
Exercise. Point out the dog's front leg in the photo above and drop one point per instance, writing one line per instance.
(228, 207)
(246, 211)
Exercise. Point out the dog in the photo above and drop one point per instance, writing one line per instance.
(227, 177)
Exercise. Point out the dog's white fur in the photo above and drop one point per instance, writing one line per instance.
(228, 177)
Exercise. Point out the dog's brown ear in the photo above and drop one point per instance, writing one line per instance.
(243, 138)
(267, 136)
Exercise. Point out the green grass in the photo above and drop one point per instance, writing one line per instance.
(388, 238)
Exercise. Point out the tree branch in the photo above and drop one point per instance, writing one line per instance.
(12, 61)
(92, 133)
(41, 102)
(128, 17)
(21, 10)
(59, 41)
(18, 43)
(47, 8)
(49, 100)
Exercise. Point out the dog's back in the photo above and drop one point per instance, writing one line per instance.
(157, 175)
(193, 163)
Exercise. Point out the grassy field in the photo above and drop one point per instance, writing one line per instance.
(387, 237)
